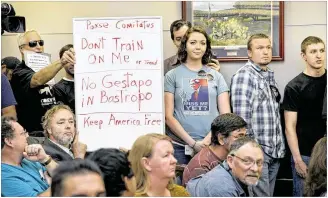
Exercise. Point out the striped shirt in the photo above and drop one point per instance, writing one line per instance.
(253, 98)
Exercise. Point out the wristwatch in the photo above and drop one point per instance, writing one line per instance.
(47, 161)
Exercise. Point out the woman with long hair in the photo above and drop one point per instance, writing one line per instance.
(154, 165)
(194, 96)
(315, 184)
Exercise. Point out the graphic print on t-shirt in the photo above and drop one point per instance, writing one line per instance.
(196, 98)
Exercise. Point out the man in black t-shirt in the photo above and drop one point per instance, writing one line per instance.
(64, 89)
(32, 93)
(303, 102)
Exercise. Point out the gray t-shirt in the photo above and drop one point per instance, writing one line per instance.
(218, 182)
(195, 99)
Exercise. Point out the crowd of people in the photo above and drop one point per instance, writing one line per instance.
(229, 140)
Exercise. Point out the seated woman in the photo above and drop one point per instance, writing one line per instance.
(315, 184)
(194, 96)
(154, 166)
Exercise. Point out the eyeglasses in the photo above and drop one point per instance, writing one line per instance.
(34, 43)
(249, 162)
(202, 73)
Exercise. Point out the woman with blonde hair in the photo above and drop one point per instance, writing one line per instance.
(153, 164)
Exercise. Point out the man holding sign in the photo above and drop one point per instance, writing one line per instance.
(32, 93)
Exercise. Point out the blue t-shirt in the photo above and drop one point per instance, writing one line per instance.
(25, 181)
(195, 99)
(7, 96)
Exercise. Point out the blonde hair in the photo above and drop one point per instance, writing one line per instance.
(46, 119)
(21, 37)
(143, 147)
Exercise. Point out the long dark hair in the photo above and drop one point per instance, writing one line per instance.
(316, 181)
(182, 53)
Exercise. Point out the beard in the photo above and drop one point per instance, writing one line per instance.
(69, 72)
(251, 182)
(63, 139)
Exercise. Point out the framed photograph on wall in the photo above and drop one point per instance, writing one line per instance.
(229, 25)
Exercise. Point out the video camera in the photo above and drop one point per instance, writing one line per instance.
(10, 22)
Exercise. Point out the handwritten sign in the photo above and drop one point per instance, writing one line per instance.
(118, 79)
(37, 61)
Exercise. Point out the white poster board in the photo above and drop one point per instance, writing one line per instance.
(37, 61)
(118, 79)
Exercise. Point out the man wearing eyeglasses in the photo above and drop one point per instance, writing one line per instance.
(232, 178)
(255, 97)
(178, 29)
(32, 93)
(24, 168)
(225, 129)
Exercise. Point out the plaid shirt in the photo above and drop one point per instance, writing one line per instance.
(254, 100)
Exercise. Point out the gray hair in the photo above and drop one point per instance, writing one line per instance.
(21, 37)
(235, 146)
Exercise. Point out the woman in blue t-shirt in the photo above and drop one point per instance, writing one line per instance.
(194, 96)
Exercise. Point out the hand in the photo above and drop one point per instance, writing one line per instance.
(198, 146)
(35, 152)
(301, 168)
(216, 66)
(68, 57)
(78, 148)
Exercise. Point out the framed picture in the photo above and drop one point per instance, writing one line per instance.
(229, 25)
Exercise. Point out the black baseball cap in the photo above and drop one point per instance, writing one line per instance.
(10, 62)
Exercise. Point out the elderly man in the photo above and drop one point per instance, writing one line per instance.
(178, 29)
(232, 178)
(255, 97)
(32, 93)
(61, 142)
(78, 178)
(64, 89)
(24, 167)
(225, 128)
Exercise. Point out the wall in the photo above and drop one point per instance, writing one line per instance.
(54, 21)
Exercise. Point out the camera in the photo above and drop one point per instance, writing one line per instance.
(10, 22)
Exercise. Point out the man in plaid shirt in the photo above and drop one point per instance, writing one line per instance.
(255, 97)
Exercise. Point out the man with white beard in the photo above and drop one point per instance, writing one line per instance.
(61, 142)
(232, 178)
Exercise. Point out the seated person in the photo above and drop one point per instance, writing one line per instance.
(153, 164)
(315, 184)
(8, 64)
(8, 100)
(226, 128)
(118, 176)
(61, 142)
(64, 89)
(77, 178)
(23, 167)
(242, 168)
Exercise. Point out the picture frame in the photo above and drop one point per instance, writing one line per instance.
(229, 25)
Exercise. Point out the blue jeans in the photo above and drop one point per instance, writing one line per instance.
(179, 154)
(267, 181)
(297, 180)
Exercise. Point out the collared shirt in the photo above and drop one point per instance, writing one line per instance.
(171, 63)
(219, 182)
(254, 100)
(64, 149)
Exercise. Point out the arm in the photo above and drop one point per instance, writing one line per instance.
(45, 74)
(242, 90)
(46, 193)
(290, 125)
(224, 103)
(9, 111)
(36, 153)
(173, 123)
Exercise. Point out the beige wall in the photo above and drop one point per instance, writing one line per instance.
(54, 21)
